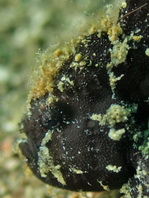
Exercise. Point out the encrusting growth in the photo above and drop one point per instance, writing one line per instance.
(87, 122)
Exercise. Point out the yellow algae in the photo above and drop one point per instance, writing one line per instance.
(92, 29)
(77, 171)
(126, 189)
(82, 63)
(51, 98)
(141, 173)
(115, 114)
(106, 23)
(109, 19)
(116, 134)
(105, 187)
(78, 57)
(43, 80)
(97, 117)
(113, 80)
(147, 52)
(114, 31)
(58, 52)
(118, 53)
(77, 65)
(44, 77)
(45, 160)
(64, 82)
(113, 168)
(74, 64)
(137, 38)
(124, 5)
(61, 86)
(51, 62)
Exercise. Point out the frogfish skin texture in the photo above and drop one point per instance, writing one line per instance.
(87, 122)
